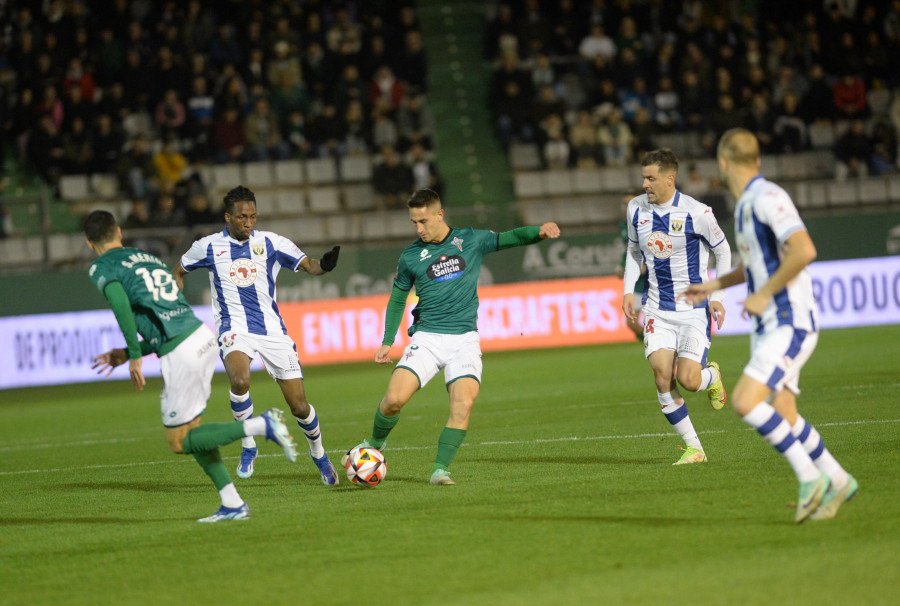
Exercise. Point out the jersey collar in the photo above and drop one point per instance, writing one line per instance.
(751, 181)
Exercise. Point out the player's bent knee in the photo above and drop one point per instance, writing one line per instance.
(175, 446)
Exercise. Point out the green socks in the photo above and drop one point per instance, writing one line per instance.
(381, 428)
(449, 442)
(211, 462)
(204, 438)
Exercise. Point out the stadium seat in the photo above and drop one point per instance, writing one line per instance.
(569, 212)
(843, 193)
(586, 180)
(309, 230)
(821, 135)
(355, 168)
(528, 184)
(879, 100)
(324, 200)
(227, 176)
(873, 190)
(289, 172)
(524, 156)
(74, 187)
(59, 248)
(770, 167)
(258, 174)
(266, 203)
(604, 210)
(207, 175)
(104, 185)
(818, 194)
(342, 228)
(375, 226)
(893, 184)
(536, 212)
(321, 170)
(290, 201)
(707, 167)
(359, 197)
(620, 178)
(399, 225)
(558, 182)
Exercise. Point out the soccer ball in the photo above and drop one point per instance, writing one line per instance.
(365, 466)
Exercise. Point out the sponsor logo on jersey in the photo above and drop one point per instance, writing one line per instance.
(457, 242)
(242, 272)
(424, 254)
(221, 252)
(660, 244)
(258, 249)
(678, 226)
(446, 268)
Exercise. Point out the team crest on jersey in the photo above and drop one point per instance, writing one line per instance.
(457, 242)
(677, 226)
(242, 272)
(258, 249)
(660, 244)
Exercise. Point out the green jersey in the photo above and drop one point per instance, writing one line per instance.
(161, 313)
(445, 275)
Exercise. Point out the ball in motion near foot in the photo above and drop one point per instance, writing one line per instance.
(365, 466)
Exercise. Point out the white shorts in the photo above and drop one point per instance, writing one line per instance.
(278, 352)
(428, 352)
(187, 373)
(684, 332)
(777, 357)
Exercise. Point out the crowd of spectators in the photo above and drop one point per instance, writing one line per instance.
(593, 82)
(145, 89)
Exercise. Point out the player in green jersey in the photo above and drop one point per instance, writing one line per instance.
(443, 265)
(147, 302)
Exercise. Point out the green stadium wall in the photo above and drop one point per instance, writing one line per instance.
(370, 271)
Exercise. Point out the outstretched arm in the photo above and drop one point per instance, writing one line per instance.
(522, 236)
(319, 267)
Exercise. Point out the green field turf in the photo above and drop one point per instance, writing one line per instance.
(566, 494)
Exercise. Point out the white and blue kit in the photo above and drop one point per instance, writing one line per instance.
(242, 277)
(785, 335)
(674, 240)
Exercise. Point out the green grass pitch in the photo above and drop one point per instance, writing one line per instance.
(566, 494)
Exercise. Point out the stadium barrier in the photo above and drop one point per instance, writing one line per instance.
(58, 348)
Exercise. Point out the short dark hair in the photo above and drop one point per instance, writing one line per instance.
(100, 226)
(665, 158)
(422, 198)
(238, 194)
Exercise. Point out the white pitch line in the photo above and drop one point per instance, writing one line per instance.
(431, 446)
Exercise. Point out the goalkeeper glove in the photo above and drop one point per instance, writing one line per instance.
(329, 260)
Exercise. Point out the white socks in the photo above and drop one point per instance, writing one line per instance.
(242, 409)
(676, 412)
(777, 432)
(823, 459)
(230, 497)
(310, 426)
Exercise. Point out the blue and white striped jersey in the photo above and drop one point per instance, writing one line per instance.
(674, 241)
(242, 277)
(765, 216)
